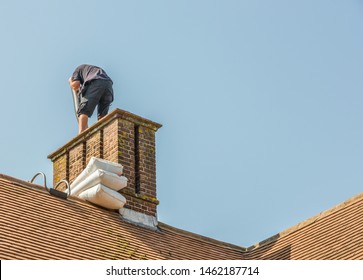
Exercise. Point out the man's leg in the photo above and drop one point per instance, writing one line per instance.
(105, 101)
(88, 102)
(82, 123)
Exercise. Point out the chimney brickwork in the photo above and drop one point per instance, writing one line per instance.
(120, 137)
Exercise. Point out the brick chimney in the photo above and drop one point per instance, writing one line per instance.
(120, 137)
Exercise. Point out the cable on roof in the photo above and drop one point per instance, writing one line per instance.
(44, 177)
(68, 188)
(54, 191)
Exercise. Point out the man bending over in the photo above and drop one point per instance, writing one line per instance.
(95, 89)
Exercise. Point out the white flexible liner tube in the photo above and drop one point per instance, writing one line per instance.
(100, 176)
(104, 197)
(93, 165)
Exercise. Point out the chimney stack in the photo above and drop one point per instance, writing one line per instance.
(120, 137)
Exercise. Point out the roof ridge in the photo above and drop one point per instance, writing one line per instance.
(20, 182)
(308, 221)
(196, 236)
(33, 186)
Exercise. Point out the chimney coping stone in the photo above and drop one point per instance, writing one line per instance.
(117, 113)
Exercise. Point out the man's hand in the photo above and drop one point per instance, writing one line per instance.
(75, 85)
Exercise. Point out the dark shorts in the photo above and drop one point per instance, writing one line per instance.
(97, 93)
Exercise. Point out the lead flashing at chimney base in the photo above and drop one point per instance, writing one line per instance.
(138, 218)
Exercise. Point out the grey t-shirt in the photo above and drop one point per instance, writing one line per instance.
(86, 73)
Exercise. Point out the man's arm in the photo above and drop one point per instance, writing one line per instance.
(75, 85)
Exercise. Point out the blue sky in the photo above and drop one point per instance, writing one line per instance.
(261, 101)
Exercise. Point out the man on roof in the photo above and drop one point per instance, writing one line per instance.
(95, 89)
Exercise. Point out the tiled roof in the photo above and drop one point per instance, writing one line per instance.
(36, 225)
(332, 235)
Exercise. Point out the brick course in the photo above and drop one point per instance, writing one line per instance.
(94, 146)
(119, 137)
(60, 164)
(76, 161)
(147, 167)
